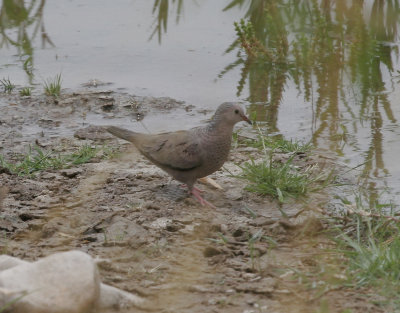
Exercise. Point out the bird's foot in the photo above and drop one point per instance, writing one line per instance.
(195, 188)
(196, 193)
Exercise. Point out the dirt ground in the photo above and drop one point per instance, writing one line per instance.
(154, 240)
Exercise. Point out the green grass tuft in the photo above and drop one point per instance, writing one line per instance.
(52, 87)
(26, 91)
(7, 85)
(280, 180)
(37, 160)
(370, 239)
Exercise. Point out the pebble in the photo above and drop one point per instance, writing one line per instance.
(71, 172)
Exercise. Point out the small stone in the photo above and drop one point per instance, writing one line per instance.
(173, 227)
(151, 206)
(71, 172)
(50, 176)
(264, 286)
(234, 194)
(43, 201)
(92, 133)
(160, 223)
(198, 288)
(210, 252)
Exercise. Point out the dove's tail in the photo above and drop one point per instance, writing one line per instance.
(122, 133)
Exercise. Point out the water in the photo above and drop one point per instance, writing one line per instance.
(325, 71)
(110, 42)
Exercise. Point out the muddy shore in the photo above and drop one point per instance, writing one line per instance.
(154, 240)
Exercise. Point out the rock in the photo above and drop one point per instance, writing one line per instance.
(210, 252)
(7, 261)
(123, 231)
(71, 172)
(62, 282)
(264, 286)
(44, 201)
(160, 223)
(111, 297)
(66, 282)
(234, 194)
(50, 176)
(92, 133)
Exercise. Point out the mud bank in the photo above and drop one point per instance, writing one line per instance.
(154, 240)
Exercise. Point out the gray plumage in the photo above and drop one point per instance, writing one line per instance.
(189, 154)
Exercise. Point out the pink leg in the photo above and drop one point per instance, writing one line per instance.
(196, 194)
(195, 188)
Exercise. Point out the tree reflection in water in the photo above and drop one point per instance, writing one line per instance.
(161, 21)
(27, 19)
(334, 52)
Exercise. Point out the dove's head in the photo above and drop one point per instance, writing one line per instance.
(230, 113)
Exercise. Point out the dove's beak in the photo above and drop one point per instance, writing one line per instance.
(246, 119)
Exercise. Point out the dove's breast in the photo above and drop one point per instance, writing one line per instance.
(216, 149)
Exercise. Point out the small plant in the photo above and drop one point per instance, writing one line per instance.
(7, 85)
(52, 87)
(37, 160)
(26, 91)
(372, 241)
(280, 180)
(368, 235)
(110, 152)
(83, 155)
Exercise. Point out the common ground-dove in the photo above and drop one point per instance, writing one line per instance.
(190, 154)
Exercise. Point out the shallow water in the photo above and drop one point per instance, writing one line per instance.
(329, 73)
(111, 42)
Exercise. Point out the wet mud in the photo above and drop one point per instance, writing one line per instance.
(151, 238)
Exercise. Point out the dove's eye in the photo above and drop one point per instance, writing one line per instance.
(237, 111)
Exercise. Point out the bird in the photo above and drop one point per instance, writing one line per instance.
(188, 155)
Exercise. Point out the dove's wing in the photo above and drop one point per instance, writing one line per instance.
(175, 150)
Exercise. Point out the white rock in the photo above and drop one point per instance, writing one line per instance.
(66, 282)
(111, 297)
(7, 262)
